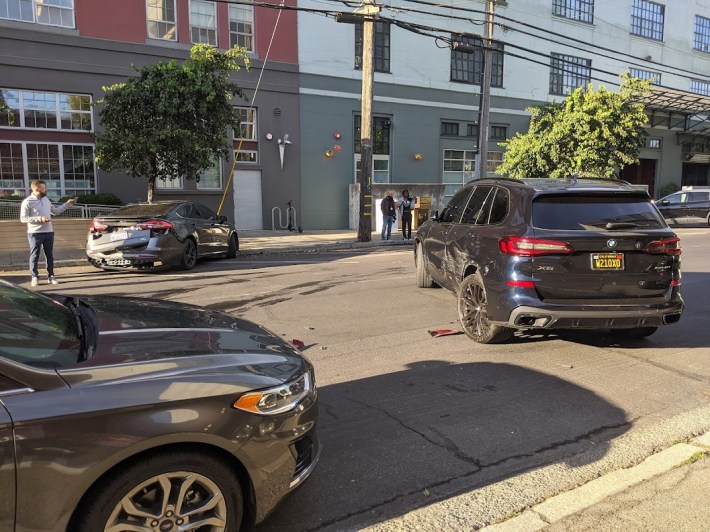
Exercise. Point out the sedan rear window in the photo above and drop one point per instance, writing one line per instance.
(570, 212)
(143, 209)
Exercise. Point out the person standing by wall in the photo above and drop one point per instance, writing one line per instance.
(389, 214)
(406, 206)
(37, 211)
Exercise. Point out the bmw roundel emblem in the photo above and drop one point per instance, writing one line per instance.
(611, 243)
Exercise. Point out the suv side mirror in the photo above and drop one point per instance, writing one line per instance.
(222, 219)
(435, 216)
(665, 202)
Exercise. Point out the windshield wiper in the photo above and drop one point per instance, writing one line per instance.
(620, 225)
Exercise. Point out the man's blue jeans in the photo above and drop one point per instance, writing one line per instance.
(387, 222)
(41, 241)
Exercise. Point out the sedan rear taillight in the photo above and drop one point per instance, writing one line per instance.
(96, 226)
(667, 246)
(532, 247)
(156, 225)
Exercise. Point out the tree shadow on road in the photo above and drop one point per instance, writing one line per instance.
(442, 429)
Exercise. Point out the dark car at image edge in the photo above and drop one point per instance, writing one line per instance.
(688, 206)
(137, 414)
(553, 254)
(151, 236)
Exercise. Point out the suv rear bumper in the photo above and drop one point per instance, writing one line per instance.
(594, 317)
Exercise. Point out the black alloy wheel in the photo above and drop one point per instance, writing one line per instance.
(233, 246)
(473, 313)
(189, 255)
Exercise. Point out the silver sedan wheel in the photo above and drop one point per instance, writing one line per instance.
(178, 500)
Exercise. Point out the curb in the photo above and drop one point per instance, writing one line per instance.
(571, 502)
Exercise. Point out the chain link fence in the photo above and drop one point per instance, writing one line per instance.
(10, 210)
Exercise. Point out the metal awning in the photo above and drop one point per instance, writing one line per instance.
(670, 100)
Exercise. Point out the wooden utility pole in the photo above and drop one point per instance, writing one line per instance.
(369, 10)
(481, 170)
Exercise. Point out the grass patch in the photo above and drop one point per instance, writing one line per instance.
(700, 455)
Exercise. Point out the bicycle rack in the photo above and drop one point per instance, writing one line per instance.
(290, 224)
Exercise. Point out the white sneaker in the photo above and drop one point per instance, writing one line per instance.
(34, 282)
(53, 281)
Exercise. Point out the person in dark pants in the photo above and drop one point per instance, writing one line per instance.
(406, 206)
(36, 211)
(389, 214)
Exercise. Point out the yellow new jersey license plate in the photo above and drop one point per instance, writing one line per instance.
(607, 261)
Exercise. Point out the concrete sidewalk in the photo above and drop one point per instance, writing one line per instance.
(250, 243)
(665, 492)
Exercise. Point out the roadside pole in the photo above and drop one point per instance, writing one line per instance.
(484, 110)
(369, 10)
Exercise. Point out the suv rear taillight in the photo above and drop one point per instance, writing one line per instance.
(532, 247)
(96, 226)
(667, 246)
(156, 225)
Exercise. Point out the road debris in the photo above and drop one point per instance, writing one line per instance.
(444, 332)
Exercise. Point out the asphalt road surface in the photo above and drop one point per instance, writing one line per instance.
(410, 421)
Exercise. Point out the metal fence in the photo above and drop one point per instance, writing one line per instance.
(10, 210)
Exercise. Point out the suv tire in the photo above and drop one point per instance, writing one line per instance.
(423, 277)
(473, 313)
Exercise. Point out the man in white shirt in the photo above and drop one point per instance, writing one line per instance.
(36, 211)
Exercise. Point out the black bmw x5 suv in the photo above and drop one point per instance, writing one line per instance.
(553, 254)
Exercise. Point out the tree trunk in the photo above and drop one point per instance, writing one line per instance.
(151, 187)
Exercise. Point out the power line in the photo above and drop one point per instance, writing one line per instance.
(556, 34)
(641, 62)
(422, 30)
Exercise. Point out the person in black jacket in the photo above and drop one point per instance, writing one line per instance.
(389, 215)
(406, 206)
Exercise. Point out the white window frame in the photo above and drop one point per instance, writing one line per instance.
(34, 8)
(253, 152)
(218, 168)
(174, 183)
(196, 16)
(650, 141)
(60, 158)
(57, 111)
(170, 25)
(382, 160)
(457, 178)
(249, 111)
(493, 161)
(655, 77)
(698, 86)
(236, 9)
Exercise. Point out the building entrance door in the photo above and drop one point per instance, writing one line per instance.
(643, 173)
(247, 199)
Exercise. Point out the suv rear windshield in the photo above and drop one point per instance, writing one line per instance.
(571, 212)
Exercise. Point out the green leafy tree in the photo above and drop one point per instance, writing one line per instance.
(592, 133)
(5, 110)
(171, 120)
